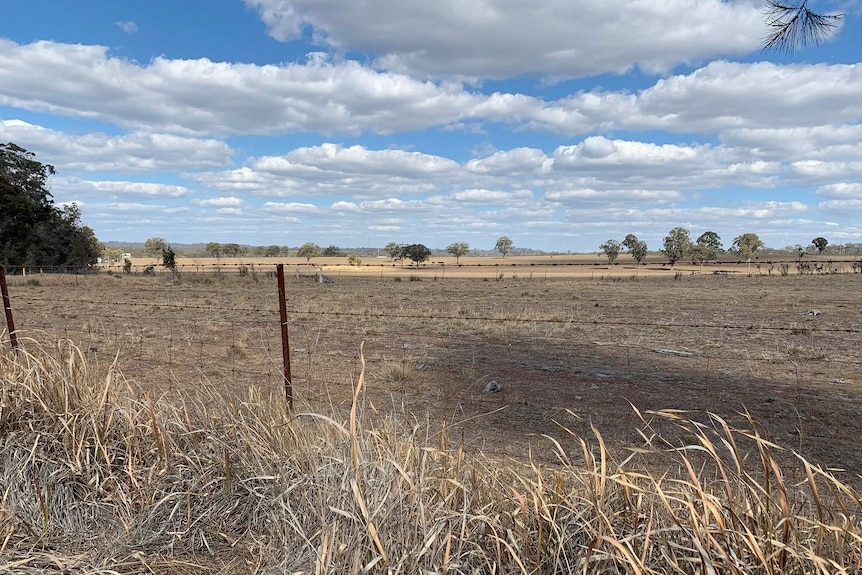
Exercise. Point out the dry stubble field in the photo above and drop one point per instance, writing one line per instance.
(574, 347)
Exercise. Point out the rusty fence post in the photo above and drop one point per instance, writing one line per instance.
(285, 339)
(7, 307)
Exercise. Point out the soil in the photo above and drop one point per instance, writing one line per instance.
(574, 346)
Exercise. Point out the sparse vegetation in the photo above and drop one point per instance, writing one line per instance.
(207, 481)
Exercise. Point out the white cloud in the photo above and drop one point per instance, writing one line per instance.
(127, 26)
(223, 202)
(134, 152)
(290, 207)
(841, 191)
(116, 189)
(554, 39)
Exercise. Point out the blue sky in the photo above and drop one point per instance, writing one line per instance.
(558, 124)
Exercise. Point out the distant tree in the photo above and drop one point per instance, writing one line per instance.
(308, 250)
(155, 247)
(611, 249)
(213, 250)
(504, 245)
(272, 251)
(637, 248)
(417, 253)
(332, 251)
(676, 245)
(747, 245)
(392, 250)
(169, 260)
(233, 250)
(705, 248)
(458, 249)
(820, 243)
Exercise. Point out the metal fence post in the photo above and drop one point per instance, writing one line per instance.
(7, 307)
(285, 339)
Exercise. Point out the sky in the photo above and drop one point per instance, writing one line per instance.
(558, 123)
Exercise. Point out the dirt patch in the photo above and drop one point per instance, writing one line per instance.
(570, 353)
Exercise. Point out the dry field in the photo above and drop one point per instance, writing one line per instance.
(646, 424)
(576, 345)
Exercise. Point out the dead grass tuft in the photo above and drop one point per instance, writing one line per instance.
(99, 478)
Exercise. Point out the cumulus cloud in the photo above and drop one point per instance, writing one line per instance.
(137, 151)
(117, 189)
(223, 202)
(555, 39)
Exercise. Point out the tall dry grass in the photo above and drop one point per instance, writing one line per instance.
(99, 477)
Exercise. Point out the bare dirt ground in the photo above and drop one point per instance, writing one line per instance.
(573, 344)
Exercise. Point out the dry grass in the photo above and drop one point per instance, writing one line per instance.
(99, 478)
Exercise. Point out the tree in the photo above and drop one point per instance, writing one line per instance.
(155, 247)
(794, 26)
(503, 245)
(820, 243)
(611, 249)
(308, 250)
(169, 260)
(213, 250)
(33, 231)
(418, 253)
(272, 251)
(637, 248)
(676, 245)
(332, 251)
(392, 250)
(747, 245)
(458, 249)
(706, 248)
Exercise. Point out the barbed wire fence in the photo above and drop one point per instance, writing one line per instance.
(208, 330)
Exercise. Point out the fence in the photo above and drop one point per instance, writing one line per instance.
(786, 349)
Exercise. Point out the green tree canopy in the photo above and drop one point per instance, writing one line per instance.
(308, 250)
(33, 231)
(155, 247)
(747, 245)
(820, 243)
(503, 245)
(417, 253)
(392, 250)
(677, 244)
(458, 249)
(637, 248)
(611, 249)
(706, 247)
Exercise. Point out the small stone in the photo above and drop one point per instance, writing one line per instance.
(493, 386)
(406, 346)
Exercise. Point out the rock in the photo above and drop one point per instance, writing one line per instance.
(813, 312)
(493, 386)
(406, 346)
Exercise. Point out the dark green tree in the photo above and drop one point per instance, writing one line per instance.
(417, 253)
(33, 231)
(820, 243)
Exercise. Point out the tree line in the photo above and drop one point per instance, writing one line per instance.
(678, 245)
(34, 231)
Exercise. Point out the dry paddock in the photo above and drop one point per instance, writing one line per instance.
(571, 350)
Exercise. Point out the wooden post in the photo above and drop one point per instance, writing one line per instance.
(7, 307)
(285, 338)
